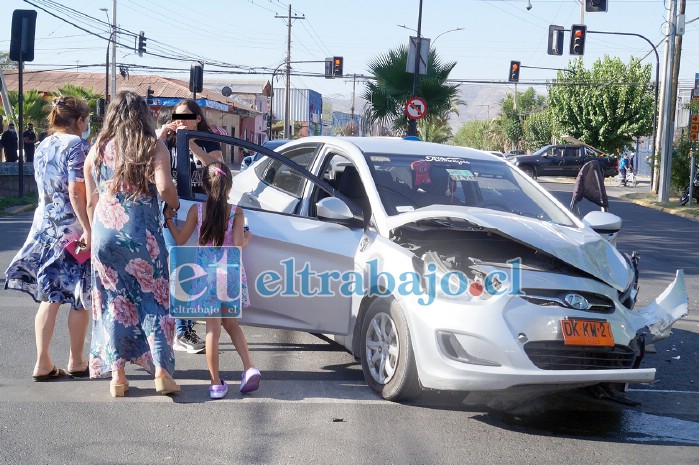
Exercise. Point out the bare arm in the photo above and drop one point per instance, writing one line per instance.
(76, 192)
(181, 236)
(90, 185)
(241, 237)
(204, 156)
(163, 176)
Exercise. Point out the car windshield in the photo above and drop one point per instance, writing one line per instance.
(542, 150)
(409, 182)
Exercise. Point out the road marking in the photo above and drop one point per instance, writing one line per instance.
(664, 391)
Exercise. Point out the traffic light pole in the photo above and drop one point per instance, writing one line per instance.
(412, 124)
(657, 81)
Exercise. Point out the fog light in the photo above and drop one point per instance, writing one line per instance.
(451, 348)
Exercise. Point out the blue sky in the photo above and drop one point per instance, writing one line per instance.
(246, 33)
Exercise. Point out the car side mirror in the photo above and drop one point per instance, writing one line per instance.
(332, 208)
(605, 224)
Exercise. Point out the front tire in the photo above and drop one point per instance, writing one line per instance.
(388, 361)
(685, 197)
(529, 171)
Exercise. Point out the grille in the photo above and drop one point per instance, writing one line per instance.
(555, 355)
(549, 297)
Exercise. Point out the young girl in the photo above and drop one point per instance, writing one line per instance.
(220, 224)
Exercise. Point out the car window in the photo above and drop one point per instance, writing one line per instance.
(591, 153)
(408, 182)
(338, 171)
(570, 152)
(280, 176)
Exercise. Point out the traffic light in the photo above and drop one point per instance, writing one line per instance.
(196, 77)
(337, 66)
(577, 39)
(149, 96)
(555, 46)
(595, 6)
(329, 68)
(101, 106)
(141, 43)
(514, 71)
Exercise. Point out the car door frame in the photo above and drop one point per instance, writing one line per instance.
(184, 188)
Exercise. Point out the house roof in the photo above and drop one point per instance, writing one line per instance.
(162, 87)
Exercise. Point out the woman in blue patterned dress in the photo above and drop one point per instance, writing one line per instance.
(41, 268)
(125, 170)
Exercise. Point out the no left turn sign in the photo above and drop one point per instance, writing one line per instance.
(415, 108)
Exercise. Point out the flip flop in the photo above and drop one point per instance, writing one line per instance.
(79, 374)
(54, 374)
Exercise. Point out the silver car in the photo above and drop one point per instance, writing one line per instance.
(442, 267)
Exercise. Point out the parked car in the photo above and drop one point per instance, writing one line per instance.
(513, 152)
(563, 160)
(270, 144)
(441, 267)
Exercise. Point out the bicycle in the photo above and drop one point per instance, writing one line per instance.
(630, 179)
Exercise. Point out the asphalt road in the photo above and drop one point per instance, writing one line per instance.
(314, 406)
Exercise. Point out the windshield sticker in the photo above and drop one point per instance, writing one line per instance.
(461, 175)
(379, 159)
(458, 161)
(404, 208)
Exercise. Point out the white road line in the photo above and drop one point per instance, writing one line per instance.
(664, 391)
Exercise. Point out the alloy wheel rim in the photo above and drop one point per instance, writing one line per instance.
(382, 348)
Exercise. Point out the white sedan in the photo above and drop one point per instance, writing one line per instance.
(442, 267)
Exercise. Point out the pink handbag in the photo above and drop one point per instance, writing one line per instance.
(78, 251)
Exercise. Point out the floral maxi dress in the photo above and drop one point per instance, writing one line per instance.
(41, 268)
(129, 279)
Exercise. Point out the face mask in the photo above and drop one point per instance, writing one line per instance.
(12, 129)
(86, 134)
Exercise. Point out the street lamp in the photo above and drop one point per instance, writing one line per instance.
(446, 32)
(271, 100)
(112, 41)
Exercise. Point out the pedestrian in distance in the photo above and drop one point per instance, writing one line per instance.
(29, 139)
(623, 166)
(9, 143)
(187, 114)
(44, 267)
(125, 171)
(220, 224)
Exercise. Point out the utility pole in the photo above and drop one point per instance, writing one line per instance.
(667, 120)
(412, 124)
(354, 82)
(287, 99)
(112, 94)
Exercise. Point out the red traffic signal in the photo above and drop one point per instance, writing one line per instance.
(514, 71)
(578, 32)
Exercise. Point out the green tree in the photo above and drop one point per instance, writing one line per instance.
(35, 109)
(512, 117)
(5, 62)
(608, 106)
(482, 135)
(89, 95)
(392, 87)
(538, 130)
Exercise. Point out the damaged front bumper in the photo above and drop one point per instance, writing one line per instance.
(659, 316)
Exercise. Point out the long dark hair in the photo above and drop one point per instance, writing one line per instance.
(196, 110)
(217, 181)
(129, 126)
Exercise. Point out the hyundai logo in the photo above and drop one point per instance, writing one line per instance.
(577, 301)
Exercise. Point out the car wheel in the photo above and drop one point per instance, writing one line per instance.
(388, 361)
(529, 171)
(685, 197)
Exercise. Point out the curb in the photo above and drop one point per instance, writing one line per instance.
(19, 209)
(675, 212)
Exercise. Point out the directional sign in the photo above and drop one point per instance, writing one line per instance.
(695, 119)
(415, 108)
(692, 136)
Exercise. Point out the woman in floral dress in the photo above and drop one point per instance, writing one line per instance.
(124, 172)
(41, 268)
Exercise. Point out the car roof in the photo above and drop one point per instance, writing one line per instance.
(398, 146)
(274, 143)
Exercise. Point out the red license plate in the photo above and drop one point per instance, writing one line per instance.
(587, 333)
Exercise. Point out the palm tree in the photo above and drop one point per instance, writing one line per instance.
(89, 95)
(35, 108)
(392, 87)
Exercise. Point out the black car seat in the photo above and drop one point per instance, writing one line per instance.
(350, 185)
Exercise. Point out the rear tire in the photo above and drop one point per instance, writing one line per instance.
(388, 361)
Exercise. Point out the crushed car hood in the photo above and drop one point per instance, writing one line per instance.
(580, 248)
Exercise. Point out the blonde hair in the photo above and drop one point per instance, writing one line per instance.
(129, 126)
(66, 111)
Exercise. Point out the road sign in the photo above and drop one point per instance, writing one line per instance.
(415, 108)
(693, 136)
(695, 119)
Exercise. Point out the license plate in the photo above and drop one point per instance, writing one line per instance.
(587, 333)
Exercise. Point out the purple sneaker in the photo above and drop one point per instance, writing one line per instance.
(250, 380)
(218, 391)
